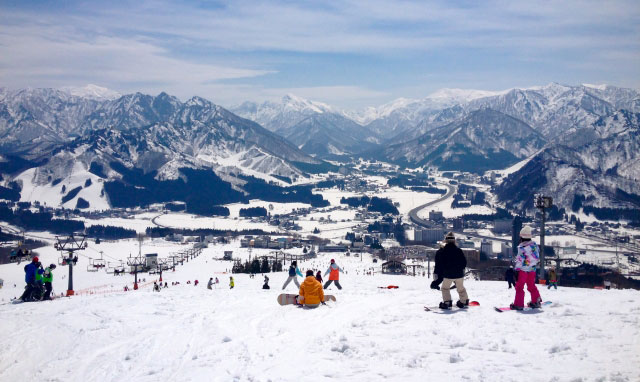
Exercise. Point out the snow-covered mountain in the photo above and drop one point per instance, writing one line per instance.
(605, 170)
(92, 91)
(329, 134)
(289, 111)
(35, 120)
(484, 139)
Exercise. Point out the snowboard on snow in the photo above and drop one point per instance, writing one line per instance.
(435, 308)
(291, 299)
(526, 308)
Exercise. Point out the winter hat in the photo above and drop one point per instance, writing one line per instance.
(52, 266)
(332, 261)
(309, 273)
(35, 259)
(450, 238)
(525, 232)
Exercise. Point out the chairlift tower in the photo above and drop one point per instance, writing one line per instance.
(138, 264)
(70, 244)
(542, 202)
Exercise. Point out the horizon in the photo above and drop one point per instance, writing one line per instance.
(277, 98)
(353, 54)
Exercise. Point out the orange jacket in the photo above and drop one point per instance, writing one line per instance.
(333, 271)
(311, 291)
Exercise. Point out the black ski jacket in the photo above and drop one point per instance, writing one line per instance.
(450, 262)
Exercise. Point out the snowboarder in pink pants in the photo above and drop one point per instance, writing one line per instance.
(526, 263)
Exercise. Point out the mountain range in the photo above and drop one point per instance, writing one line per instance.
(575, 127)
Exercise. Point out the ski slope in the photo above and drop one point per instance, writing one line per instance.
(188, 333)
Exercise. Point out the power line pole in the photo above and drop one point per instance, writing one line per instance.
(70, 244)
(543, 203)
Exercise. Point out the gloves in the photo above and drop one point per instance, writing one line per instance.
(434, 285)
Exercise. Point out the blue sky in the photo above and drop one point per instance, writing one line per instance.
(346, 53)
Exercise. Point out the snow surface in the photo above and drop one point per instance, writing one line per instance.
(189, 333)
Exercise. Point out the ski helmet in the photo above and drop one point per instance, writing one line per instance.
(35, 259)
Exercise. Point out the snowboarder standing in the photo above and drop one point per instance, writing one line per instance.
(509, 277)
(231, 283)
(294, 272)
(526, 263)
(311, 294)
(334, 274)
(47, 277)
(553, 278)
(450, 265)
(210, 283)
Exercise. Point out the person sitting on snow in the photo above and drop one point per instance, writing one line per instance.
(311, 293)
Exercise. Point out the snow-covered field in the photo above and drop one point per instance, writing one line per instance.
(190, 333)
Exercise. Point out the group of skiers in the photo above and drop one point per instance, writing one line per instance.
(451, 263)
(38, 281)
(333, 271)
(311, 292)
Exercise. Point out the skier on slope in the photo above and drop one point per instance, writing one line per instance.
(334, 274)
(231, 283)
(553, 278)
(526, 262)
(509, 276)
(450, 265)
(47, 277)
(294, 272)
(30, 271)
(311, 294)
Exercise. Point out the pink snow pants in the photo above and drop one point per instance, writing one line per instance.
(528, 278)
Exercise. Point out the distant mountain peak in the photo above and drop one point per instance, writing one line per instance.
(92, 91)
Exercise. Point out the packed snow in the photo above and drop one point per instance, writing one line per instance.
(190, 333)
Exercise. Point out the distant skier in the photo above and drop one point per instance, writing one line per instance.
(450, 265)
(311, 294)
(553, 278)
(319, 277)
(334, 275)
(195, 283)
(217, 281)
(231, 283)
(210, 283)
(509, 277)
(266, 283)
(48, 280)
(294, 272)
(526, 263)
(156, 287)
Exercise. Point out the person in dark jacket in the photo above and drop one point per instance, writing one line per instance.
(294, 272)
(30, 273)
(450, 265)
(509, 277)
(319, 277)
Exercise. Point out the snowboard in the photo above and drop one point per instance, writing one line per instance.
(436, 308)
(290, 299)
(390, 287)
(525, 309)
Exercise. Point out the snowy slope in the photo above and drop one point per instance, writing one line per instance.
(189, 333)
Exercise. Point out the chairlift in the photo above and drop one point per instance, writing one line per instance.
(91, 268)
